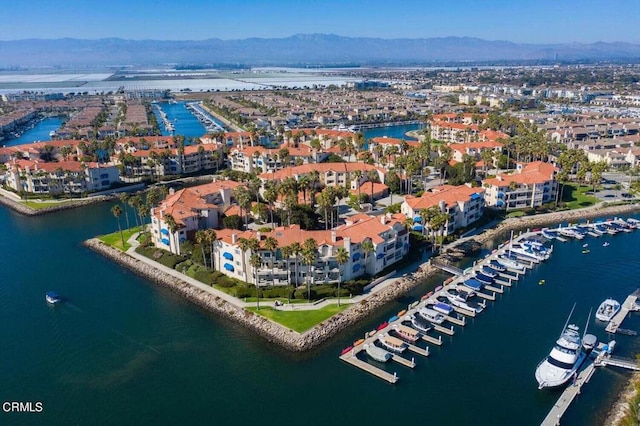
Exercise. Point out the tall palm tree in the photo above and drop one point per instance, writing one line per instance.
(309, 258)
(211, 239)
(367, 248)
(342, 257)
(256, 262)
(270, 196)
(287, 251)
(117, 212)
(173, 228)
(271, 244)
(296, 250)
(124, 197)
(135, 202)
(244, 245)
(201, 238)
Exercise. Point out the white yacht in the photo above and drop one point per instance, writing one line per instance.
(460, 298)
(607, 310)
(564, 359)
(431, 315)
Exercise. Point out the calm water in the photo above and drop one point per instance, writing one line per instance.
(183, 120)
(38, 133)
(123, 351)
(392, 132)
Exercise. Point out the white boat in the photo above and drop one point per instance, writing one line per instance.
(607, 310)
(460, 298)
(420, 323)
(377, 353)
(605, 244)
(563, 361)
(52, 298)
(392, 343)
(406, 333)
(431, 315)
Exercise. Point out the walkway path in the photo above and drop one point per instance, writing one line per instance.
(133, 241)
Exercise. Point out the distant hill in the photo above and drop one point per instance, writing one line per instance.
(297, 49)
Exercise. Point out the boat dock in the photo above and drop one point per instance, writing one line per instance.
(569, 394)
(507, 277)
(629, 305)
(352, 359)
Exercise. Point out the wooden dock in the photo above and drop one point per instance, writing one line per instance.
(569, 394)
(432, 340)
(486, 296)
(494, 289)
(418, 350)
(384, 375)
(627, 306)
(456, 321)
(403, 361)
(443, 330)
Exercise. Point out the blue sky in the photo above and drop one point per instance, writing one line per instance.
(541, 21)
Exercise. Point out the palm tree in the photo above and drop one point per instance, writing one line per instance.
(117, 212)
(342, 257)
(173, 228)
(201, 238)
(367, 248)
(243, 198)
(256, 262)
(124, 197)
(270, 196)
(287, 251)
(309, 258)
(296, 249)
(271, 244)
(211, 239)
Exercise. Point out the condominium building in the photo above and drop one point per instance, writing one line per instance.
(463, 205)
(71, 177)
(388, 235)
(198, 207)
(532, 185)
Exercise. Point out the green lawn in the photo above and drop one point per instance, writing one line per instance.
(299, 320)
(575, 196)
(114, 239)
(36, 205)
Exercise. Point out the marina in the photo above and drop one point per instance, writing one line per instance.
(495, 271)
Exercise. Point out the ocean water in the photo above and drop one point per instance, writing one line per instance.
(121, 350)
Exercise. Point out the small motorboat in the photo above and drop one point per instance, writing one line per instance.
(541, 282)
(52, 298)
(585, 245)
(586, 251)
(605, 244)
(607, 310)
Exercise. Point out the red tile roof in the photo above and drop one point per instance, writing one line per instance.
(451, 195)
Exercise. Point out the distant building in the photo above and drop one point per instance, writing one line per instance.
(71, 177)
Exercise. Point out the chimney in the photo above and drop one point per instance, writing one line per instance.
(172, 191)
(234, 238)
(334, 236)
(443, 206)
(259, 235)
(383, 219)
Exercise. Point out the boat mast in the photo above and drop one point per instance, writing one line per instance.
(568, 319)
(587, 324)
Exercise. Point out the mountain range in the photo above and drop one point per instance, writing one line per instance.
(297, 49)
